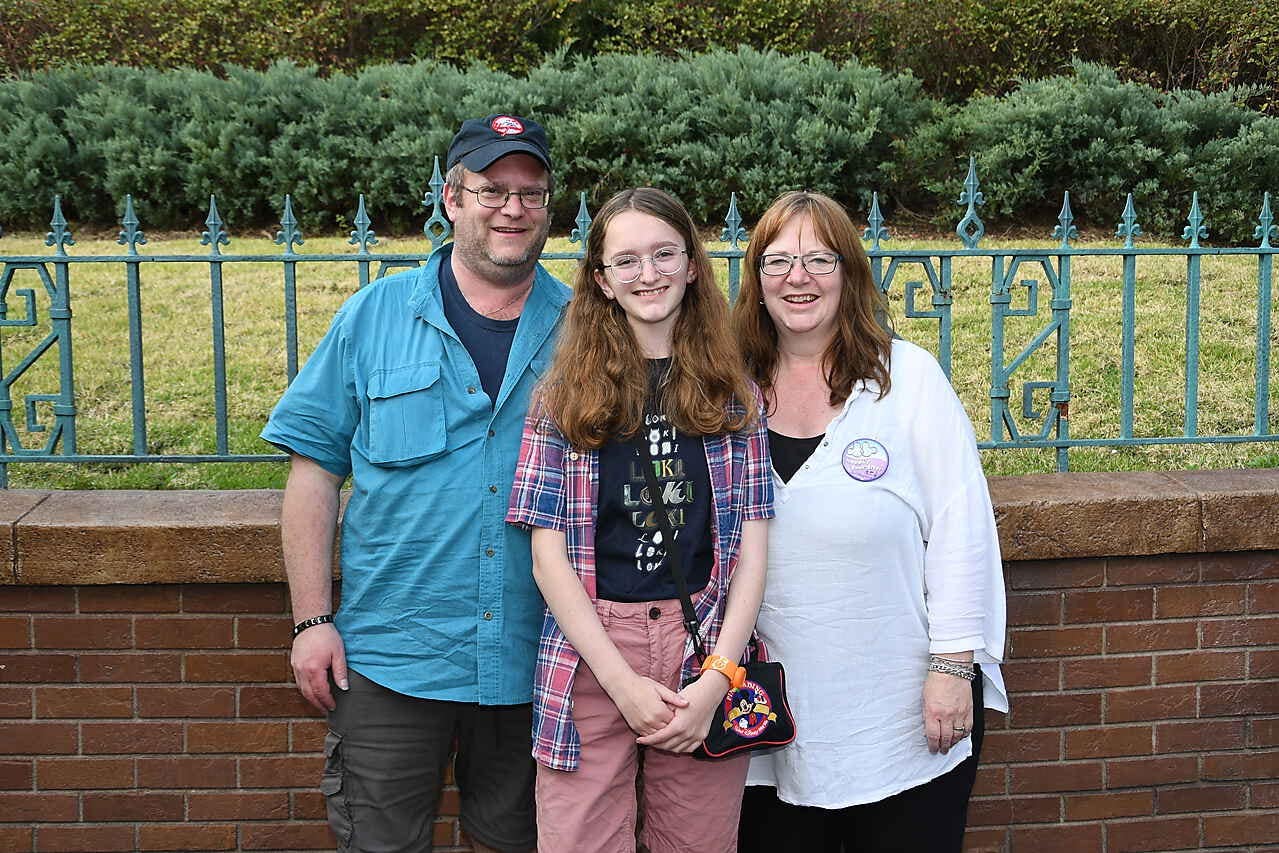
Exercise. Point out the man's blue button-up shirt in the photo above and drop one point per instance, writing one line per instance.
(438, 598)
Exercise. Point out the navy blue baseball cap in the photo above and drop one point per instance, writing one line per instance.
(482, 141)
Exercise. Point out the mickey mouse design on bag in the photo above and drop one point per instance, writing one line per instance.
(748, 710)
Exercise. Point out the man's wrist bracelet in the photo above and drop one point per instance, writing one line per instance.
(951, 667)
(311, 623)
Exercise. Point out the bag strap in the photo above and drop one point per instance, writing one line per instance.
(674, 555)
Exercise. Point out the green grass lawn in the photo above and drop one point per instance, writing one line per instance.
(179, 364)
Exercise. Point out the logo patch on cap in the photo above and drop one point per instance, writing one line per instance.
(507, 125)
(865, 460)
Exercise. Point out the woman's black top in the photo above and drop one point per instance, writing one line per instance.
(790, 453)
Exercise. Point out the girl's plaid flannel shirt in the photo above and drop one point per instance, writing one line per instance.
(557, 487)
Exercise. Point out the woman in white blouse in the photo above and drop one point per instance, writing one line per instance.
(884, 597)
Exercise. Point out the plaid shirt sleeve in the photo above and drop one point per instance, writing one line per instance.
(539, 498)
(757, 478)
(538, 494)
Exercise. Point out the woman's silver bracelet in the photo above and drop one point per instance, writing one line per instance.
(951, 667)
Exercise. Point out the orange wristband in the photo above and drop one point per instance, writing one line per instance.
(735, 674)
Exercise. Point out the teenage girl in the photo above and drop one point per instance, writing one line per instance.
(646, 374)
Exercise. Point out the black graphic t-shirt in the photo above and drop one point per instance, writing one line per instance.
(629, 552)
(487, 340)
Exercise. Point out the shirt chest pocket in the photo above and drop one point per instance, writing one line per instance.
(406, 415)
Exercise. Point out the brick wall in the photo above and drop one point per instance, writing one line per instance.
(1144, 707)
(145, 701)
(154, 717)
(1143, 664)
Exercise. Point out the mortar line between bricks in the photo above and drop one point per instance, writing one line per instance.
(13, 537)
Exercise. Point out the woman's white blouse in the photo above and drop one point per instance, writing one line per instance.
(883, 551)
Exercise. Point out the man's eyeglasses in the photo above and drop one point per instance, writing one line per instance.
(496, 197)
(814, 263)
(628, 268)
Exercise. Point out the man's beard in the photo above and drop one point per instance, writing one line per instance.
(474, 250)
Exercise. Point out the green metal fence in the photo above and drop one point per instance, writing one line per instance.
(924, 278)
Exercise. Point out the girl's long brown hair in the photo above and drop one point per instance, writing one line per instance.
(598, 383)
(861, 347)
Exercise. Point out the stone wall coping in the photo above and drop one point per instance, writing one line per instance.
(1135, 513)
(132, 537)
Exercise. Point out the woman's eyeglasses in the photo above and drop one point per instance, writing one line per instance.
(814, 263)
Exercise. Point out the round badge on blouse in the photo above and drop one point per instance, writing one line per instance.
(865, 459)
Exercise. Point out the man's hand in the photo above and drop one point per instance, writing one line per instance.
(316, 651)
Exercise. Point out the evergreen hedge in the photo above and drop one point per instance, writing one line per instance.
(954, 47)
(1099, 138)
(960, 47)
(703, 126)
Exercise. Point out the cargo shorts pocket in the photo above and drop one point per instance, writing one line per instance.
(331, 787)
(406, 415)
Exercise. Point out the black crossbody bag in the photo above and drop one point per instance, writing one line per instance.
(753, 716)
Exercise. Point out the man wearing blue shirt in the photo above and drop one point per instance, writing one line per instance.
(418, 392)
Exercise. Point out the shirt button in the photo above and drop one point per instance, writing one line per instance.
(493, 489)
(655, 613)
(491, 433)
(470, 389)
(488, 615)
(488, 552)
(572, 454)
